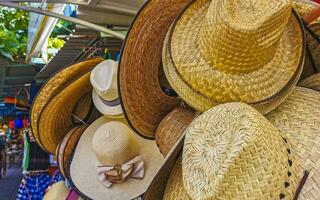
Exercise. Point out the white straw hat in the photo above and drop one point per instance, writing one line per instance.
(105, 94)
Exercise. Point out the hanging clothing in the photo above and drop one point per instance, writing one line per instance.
(25, 162)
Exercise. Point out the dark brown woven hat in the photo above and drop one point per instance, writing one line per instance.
(171, 128)
(66, 147)
(143, 96)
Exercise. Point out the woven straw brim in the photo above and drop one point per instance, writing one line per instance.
(143, 101)
(106, 110)
(200, 102)
(299, 118)
(59, 80)
(57, 191)
(312, 82)
(83, 108)
(255, 87)
(304, 7)
(314, 45)
(83, 169)
(66, 148)
(171, 128)
(56, 118)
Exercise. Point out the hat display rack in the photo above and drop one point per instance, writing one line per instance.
(211, 99)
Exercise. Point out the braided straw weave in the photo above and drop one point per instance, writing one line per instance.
(314, 45)
(83, 107)
(171, 128)
(53, 85)
(299, 117)
(66, 148)
(56, 118)
(312, 82)
(143, 101)
(226, 76)
(304, 7)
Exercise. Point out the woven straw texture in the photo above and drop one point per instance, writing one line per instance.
(304, 7)
(201, 103)
(171, 128)
(83, 108)
(312, 82)
(83, 168)
(314, 45)
(143, 101)
(299, 117)
(66, 148)
(53, 85)
(56, 118)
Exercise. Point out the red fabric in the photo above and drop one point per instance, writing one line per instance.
(318, 1)
(25, 122)
(11, 124)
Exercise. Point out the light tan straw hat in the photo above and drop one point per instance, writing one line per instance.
(146, 97)
(58, 191)
(312, 82)
(224, 58)
(105, 94)
(304, 7)
(66, 147)
(233, 152)
(112, 162)
(53, 85)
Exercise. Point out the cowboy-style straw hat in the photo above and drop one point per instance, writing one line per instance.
(66, 148)
(312, 82)
(53, 85)
(111, 161)
(144, 92)
(105, 94)
(233, 152)
(58, 115)
(219, 67)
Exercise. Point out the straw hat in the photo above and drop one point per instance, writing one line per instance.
(58, 191)
(312, 82)
(66, 148)
(304, 7)
(171, 128)
(236, 69)
(240, 154)
(105, 148)
(57, 117)
(141, 81)
(105, 94)
(53, 85)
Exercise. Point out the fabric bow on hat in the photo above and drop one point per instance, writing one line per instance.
(119, 173)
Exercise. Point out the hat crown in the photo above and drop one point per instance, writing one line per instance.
(114, 143)
(233, 152)
(252, 28)
(104, 79)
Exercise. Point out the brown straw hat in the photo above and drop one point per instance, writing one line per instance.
(57, 117)
(111, 161)
(233, 152)
(141, 88)
(235, 69)
(54, 84)
(171, 128)
(66, 148)
(312, 82)
(304, 7)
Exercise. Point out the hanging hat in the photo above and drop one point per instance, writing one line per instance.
(304, 7)
(105, 94)
(233, 152)
(66, 148)
(112, 161)
(236, 65)
(312, 82)
(59, 191)
(146, 97)
(53, 85)
(58, 117)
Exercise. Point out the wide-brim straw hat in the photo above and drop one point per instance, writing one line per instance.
(258, 87)
(297, 119)
(140, 73)
(59, 191)
(57, 117)
(304, 7)
(54, 84)
(312, 82)
(83, 168)
(66, 147)
(107, 108)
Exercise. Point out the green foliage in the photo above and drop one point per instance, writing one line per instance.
(55, 43)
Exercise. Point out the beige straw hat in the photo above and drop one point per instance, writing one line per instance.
(312, 82)
(112, 162)
(54, 84)
(57, 117)
(105, 95)
(236, 69)
(146, 97)
(233, 152)
(66, 147)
